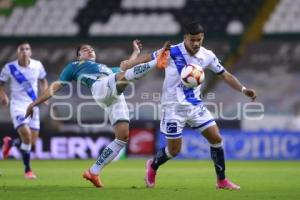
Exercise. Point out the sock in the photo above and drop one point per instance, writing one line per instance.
(107, 155)
(160, 158)
(217, 155)
(140, 70)
(25, 151)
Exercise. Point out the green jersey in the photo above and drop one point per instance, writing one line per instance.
(87, 72)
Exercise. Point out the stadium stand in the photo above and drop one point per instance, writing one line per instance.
(166, 17)
(284, 19)
(43, 18)
(270, 66)
(127, 17)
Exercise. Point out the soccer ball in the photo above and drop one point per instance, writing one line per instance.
(192, 75)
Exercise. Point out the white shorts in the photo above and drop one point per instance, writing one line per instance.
(174, 119)
(105, 94)
(17, 113)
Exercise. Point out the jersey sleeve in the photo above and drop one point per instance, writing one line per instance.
(4, 74)
(154, 54)
(42, 73)
(116, 70)
(215, 65)
(67, 74)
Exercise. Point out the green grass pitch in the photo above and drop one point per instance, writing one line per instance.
(177, 180)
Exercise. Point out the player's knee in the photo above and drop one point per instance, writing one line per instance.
(26, 139)
(123, 138)
(33, 142)
(174, 151)
(122, 134)
(217, 140)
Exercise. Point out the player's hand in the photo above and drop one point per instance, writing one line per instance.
(29, 111)
(250, 93)
(137, 46)
(46, 103)
(4, 100)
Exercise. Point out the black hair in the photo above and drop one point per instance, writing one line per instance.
(22, 42)
(79, 48)
(193, 28)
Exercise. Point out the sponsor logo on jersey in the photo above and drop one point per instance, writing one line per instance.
(141, 69)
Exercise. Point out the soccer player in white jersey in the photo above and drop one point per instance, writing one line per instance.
(25, 74)
(107, 86)
(181, 105)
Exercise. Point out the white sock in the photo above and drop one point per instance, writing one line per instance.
(108, 154)
(217, 145)
(25, 147)
(140, 70)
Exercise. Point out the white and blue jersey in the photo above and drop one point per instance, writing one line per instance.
(182, 105)
(173, 90)
(23, 80)
(24, 90)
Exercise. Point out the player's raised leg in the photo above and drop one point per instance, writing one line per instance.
(141, 70)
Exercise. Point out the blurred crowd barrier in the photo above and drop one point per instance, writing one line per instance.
(73, 142)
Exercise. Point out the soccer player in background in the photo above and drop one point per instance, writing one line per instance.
(107, 86)
(181, 105)
(25, 74)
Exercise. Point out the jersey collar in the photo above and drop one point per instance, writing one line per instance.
(29, 66)
(184, 51)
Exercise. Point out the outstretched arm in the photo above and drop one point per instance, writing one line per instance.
(51, 90)
(43, 85)
(135, 59)
(3, 96)
(231, 80)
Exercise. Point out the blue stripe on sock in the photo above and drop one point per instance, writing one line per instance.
(172, 135)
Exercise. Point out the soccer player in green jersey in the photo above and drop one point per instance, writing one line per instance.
(107, 89)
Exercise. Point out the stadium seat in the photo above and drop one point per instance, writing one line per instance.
(284, 18)
(44, 18)
(84, 17)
